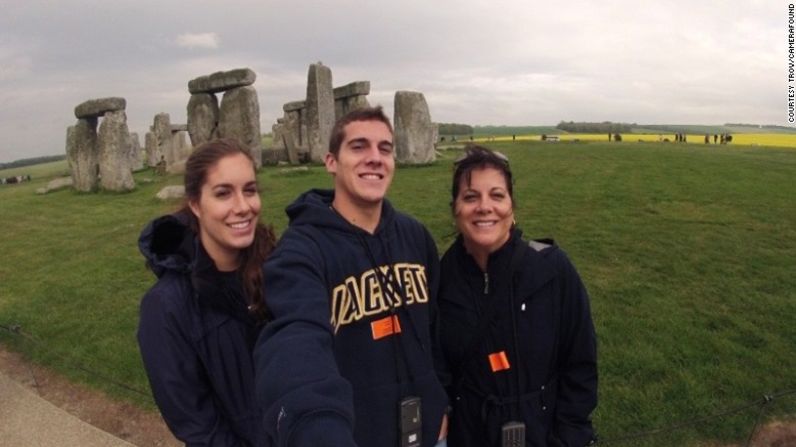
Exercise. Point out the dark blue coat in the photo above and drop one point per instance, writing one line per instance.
(324, 376)
(542, 323)
(196, 341)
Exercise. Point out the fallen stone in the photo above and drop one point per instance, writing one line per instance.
(171, 192)
(56, 184)
(222, 81)
(95, 108)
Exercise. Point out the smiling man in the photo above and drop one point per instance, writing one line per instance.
(347, 359)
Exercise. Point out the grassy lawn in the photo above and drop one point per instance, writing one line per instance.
(688, 252)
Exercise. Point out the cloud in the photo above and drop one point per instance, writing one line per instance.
(198, 40)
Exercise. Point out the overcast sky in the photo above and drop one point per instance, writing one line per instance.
(516, 62)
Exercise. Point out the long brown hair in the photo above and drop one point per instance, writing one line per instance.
(201, 160)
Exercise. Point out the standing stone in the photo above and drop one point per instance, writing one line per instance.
(151, 149)
(240, 119)
(202, 117)
(83, 154)
(114, 159)
(278, 130)
(181, 150)
(320, 111)
(71, 152)
(136, 154)
(161, 127)
(414, 131)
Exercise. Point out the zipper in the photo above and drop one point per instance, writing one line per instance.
(486, 283)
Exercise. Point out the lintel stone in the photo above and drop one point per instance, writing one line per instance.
(222, 80)
(353, 89)
(94, 108)
(294, 105)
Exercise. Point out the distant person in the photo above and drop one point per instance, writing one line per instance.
(715, 138)
(707, 139)
(199, 322)
(347, 360)
(515, 324)
(160, 168)
(617, 137)
(609, 137)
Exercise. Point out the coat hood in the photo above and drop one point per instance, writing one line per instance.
(168, 243)
(314, 207)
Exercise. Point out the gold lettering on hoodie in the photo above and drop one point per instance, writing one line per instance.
(359, 297)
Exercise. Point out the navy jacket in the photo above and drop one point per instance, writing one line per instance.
(196, 341)
(541, 322)
(325, 376)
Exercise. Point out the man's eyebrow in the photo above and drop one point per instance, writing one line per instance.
(357, 141)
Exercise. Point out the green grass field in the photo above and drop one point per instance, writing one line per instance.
(688, 252)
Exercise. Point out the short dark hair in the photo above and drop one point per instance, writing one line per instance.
(479, 157)
(362, 114)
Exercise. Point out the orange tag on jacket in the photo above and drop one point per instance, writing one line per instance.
(386, 326)
(498, 361)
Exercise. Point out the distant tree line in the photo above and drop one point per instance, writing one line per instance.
(32, 161)
(587, 127)
(758, 126)
(455, 129)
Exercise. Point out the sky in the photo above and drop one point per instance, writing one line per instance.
(478, 62)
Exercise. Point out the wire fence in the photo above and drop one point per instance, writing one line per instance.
(763, 404)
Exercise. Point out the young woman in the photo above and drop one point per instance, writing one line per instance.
(515, 325)
(200, 321)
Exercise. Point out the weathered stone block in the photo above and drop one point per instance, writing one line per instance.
(171, 192)
(358, 88)
(203, 115)
(320, 111)
(113, 139)
(83, 154)
(94, 108)
(294, 105)
(240, 119)
(137, 157)
(414, 132)
(151, 148)
(222, 81)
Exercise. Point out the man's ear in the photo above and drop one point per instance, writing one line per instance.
(331, 163)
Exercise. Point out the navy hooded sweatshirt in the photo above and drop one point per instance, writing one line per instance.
(328, 371)
(196, 340)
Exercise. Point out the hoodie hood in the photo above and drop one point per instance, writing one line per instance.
(314, 207)
(169, 244)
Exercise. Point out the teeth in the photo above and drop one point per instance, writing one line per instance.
(371, 176)
(484, 224)
(239, 225)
